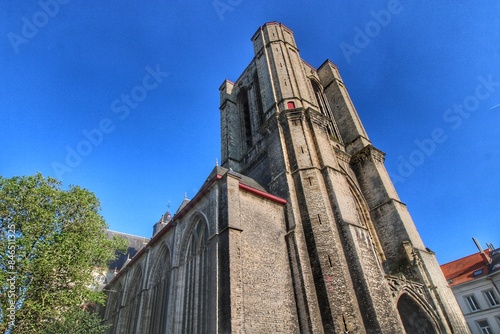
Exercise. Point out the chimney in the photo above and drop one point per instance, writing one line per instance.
(485, 257)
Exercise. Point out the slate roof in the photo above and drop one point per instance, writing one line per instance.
(135, 243)
(218, 170)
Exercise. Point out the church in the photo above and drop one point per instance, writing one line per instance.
(298, 230)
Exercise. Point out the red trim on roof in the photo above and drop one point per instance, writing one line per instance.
(170, 224)
(186, 209)
(198, 196)
(263, 194)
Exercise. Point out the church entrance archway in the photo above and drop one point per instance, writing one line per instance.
(415, 319)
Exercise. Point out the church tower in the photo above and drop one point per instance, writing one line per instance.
(357, 262)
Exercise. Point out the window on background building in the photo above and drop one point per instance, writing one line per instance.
(478, 272)
(484, 327)
(472, 303)
(491, 297)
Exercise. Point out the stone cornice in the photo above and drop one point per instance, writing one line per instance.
(368, 153)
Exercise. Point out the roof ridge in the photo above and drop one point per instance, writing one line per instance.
(462, 258)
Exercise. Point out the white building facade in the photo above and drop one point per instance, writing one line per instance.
(475, 282)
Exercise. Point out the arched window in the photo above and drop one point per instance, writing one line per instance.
(158, 293)
(113, 307)
(195, 310)
(131, 309)
(414, 318)
(324, 109)
(320, 99)
(363, 214)
(244, 108)
(258, 97)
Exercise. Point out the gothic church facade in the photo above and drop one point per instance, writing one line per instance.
(300, 230)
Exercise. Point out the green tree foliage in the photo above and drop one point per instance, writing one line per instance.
(76, 321)
(51, 242)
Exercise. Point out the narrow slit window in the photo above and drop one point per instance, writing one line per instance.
(245, 110)
(258, 96)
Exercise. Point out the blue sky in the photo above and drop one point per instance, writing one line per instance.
(121, 97)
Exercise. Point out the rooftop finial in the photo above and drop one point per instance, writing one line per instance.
(216, 162)
(185, 195)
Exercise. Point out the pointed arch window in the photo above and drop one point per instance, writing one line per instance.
(244, 108)
(325, 110)
(195, 310)
(159, 292)
(363, 214)
(320, 98)
(131, 309)
(113, 306)
(258, 97)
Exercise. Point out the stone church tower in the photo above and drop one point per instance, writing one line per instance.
(300, 229)
(357, 261)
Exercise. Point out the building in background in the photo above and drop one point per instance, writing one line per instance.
(300, 230)
(475, 282)
(103, 276)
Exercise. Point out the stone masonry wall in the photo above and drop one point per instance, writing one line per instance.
(269, 304)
